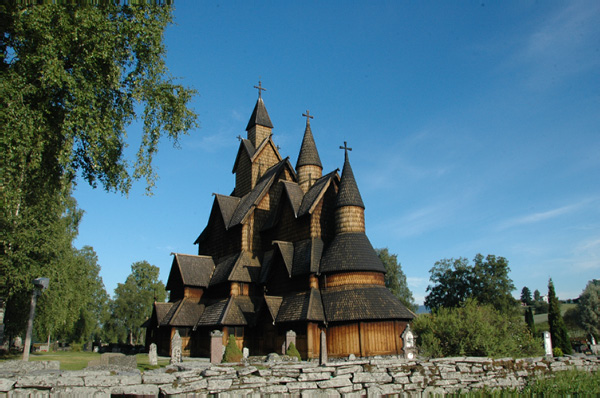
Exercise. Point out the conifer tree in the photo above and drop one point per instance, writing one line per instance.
(530, 321)
(558, 330)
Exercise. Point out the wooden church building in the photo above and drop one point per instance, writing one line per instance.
(286, 250)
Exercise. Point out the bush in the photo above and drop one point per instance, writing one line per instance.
(76, 347)
(557, 352)
(567, 383)
(232, 352)
(292, 351)
(474, 330)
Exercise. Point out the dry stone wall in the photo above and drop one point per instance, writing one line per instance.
(351, 378)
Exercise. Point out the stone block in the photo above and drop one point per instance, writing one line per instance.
(319, 369)
(278, 389)
(109, 381)
(401, 380)
(141, 389)
(319, 393)
(70, 392)
(219, 371)
(158, 378)
(174, 388)
(301, 385)
(215, 385)
(246, 370)
(265, 372)
(348, 369)
(336, 382)
(253, 381)
(314, 376)
(366, 377)
(280, 379)
(6, 385)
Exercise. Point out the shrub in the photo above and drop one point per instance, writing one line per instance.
(557, 352)
(567, 383)
(292, 351)
(232, 352)
(76, 347)
(474, 330)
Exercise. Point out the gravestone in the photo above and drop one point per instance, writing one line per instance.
(408, 343)
(245, 352)
(216, 346)
(152, 356)
(548, 344)
(18, 342)
(323, 355)
(176, 348)
(290, 337)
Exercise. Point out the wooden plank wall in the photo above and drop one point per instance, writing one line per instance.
(365, 338)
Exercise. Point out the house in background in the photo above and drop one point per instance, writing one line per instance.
(287, 250)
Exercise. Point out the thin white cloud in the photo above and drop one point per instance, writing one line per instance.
(541, 216)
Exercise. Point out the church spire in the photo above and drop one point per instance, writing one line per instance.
(348, 195)
(259, 126)
(308, 166)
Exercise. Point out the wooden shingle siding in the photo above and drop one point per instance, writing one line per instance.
(308, 175)
(243, 175)
(354, 278)
(350, 219)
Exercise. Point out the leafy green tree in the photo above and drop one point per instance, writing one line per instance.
(72, 79)
(474, 330)
(487, 281)
(395, 279)
(558, 330)
(537, 296)
(133, 299)
(589, 308)
(526, 296)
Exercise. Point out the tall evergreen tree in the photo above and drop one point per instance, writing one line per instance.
(395, 279)
(558, 330)
(529, 320)
(526, 296)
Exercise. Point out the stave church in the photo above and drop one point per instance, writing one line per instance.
(285, 251)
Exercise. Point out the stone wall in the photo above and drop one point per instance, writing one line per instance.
(377, 376)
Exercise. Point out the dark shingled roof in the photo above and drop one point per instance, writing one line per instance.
(273, 304)
(351, 252)
(194, 270)
(354, 303)
(348, 195)
(245, 269)
(227, 205)
(307, 256)
(212, 313)
(266, 266)
(294, 194)
(303, 306)
(315, 193)
(250, 200)
(287, 253)
(308, 151)
(259, 116)
(169, 315)
(250, 307)
(188, 313)
(223, 269)
(162, 309)
(233, 315)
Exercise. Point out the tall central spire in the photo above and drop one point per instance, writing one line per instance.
(259, 126)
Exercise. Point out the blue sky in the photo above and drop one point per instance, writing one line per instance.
(475, 128)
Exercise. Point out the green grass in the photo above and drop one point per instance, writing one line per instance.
(70, 360)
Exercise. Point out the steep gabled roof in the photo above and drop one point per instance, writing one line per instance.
(169, 315)
(250, 200)
(351, 252)
(307, 256)
(287, 253)
(294, 194)
(187, 314)
(348, 195)
(259, 116)
(273, 304)
(225, 312)
(159, 311)
(245, 269)
(253, 153)
(308, 151)
(227, 205)
(315, 193)
(213, 312)
(302, 306)
(194, 271)
(354, 303)
(223, 269)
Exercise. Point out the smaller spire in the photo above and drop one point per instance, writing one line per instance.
(308, 151)
(348, 195)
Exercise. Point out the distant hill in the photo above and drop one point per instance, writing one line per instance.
(422, 310)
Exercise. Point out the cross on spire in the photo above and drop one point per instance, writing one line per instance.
(308, 116)
(345, 147)
(239, 137)
(260, 88)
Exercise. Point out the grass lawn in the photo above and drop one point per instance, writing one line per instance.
(78, 360)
